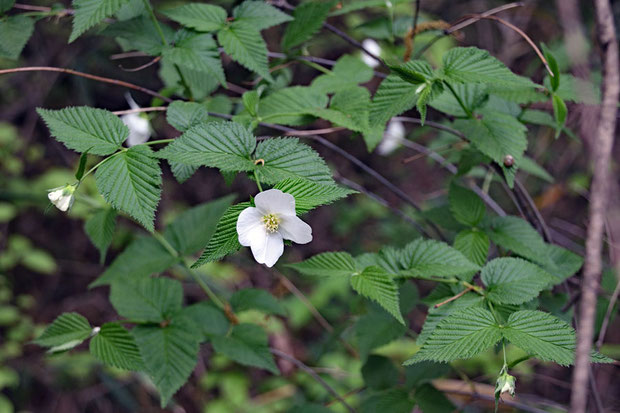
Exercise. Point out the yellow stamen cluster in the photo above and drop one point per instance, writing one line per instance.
(271, 222)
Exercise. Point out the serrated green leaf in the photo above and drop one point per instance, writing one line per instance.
(256, 299)
(430, 258)
(460, 336)
(68, 328)
(349, 71)
(225, 240)
(181, 171)
(427, 94)
(244, 44)
(376, 329)
(553, 65)
(247, 344)
(143, 257)
(308, 195)
(259, 14)
(474, 245)
(131, 10)
(148, 300)
(414, 72)
(376, 284)
(291, 105)
(197, 16)
(223, 145)
(467, 207)
(561, 263)
(211, 321)
(518, 236)
(309, 18)
(116, 347)
(6, 5)
(287, 158)
(472, 95)
(100, 230)
(169, 353)
(392, 400)
(327, 264)
(14, 34)
(131, 182)
(513, 280)
(349, 108)
(139, 34)
(86, 129)
(91, 12)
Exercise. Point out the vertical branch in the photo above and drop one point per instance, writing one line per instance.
(598, 203)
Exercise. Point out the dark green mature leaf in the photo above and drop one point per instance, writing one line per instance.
(426, 94)
(181, 171)
(116, 347)
(247, 344)
(14, 34)
(467, 207)
(143, 257)
(259, 14)
(553, 65)
(518, 236)
(375, 329)
(191, 230)
(147, 300)
(473, 65)
(170, 354)
(86, 129)
(349, 108)
(327, 264)
(528, 165)
(256, 299)
(349, 71)
(225, 240)
(100, 230)
(245, 45)
(472, 95)
(431, 400)
(6, 5)
(391, 400)
(223, 145)
(561, 263)
(513, 280)
(291, 105)
(473, 244)
(429, 258)
(66, 332)
(308, 194)
(139, 34)
(376, 284)
(211, 321)
(379, 373)
(287, 158)
(197, 16)
(183, 115)
(460, 335)
(130, 10)
(131, 182)
(91, 12)
(559, 112)
(309, 18)
(309, 408)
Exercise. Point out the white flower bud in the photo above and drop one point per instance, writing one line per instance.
(394, 133)
(374, 48)
(139, 127)
(62, 197)
(505, 383)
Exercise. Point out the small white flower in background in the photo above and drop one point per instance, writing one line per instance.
(505, 383)
(139, 128)
(265, 227)
(374, 48)
(62, 197)
(394, 133)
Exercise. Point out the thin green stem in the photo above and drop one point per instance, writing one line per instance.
(504, 351)
(164, 242)
(257, 179)
(458, 99)
(157, 142)
(316, 66)
(94, 168)
(148, 7)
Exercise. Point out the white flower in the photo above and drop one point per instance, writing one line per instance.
(265, 227)
(62, 197)
(505, 383)
(374, 48)
(394, 133)
(139, 128)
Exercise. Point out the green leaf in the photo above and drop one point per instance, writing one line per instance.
(191, 230)
(67, 331)
(460, 336)
(530, 166)
(116, 347)
(223, 145)
(86, 129)
(349, 108)
(473, 65)
(211, 321)
(309, 18)
(414, 72)
(287, 158)
(474, 245)
(472, 95)
(308, 194)
(244, 44)
(379, 373)
(349, 71)
(467, 207)
(131, 182)
(169, 353)
(518, 236)
(256, 299)
(130, 10)
(250, 100)
(6, 5)
(259, 14)
(561, 263)
(82, 166)
(376, 329)
(247, 344)
(14, 34)
(100, 230)
(143, 257)
(431, 400)
(559, 112)
(139, 34)
(392, 400)
(91, 12)
(429, 258)
(426, 95)
(147, 300)
(183, 115)
(327, 264)
(200, 17)
(513, 280)
(181, 171)
(376, 284)
(291, 105)
(553, 65)
(225, 240)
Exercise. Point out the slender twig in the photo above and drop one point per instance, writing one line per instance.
(142, 67)
(416, 14)
(125, 55)
(324, 131)
(31, 7)
(601, 156)
(140, 110)
(609, 312)
(312, 374)
(353, 42)
(454, 297)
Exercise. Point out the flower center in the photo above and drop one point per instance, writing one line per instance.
(271, 222)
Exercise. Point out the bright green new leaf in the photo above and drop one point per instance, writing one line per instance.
(147, 300)
(309, 195)
(513, 280)
(67, 331)
(14, 34)
(91, 12)
(245, 45)
(467, 207)
(553, 65)
(349, 108)
(100, 230)
(247, 344)
(327, 264)
(256, 299)
(197, 16)
(376, 284)
(86, 129)
(309, 18)
(259, 14)
(116, 347)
